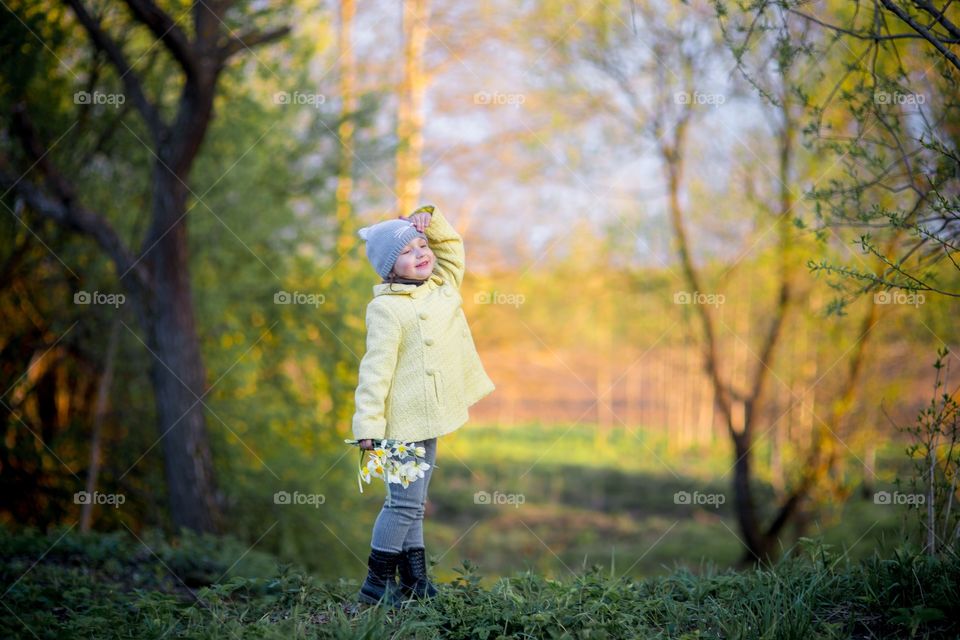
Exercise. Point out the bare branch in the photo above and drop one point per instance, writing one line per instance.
(73, 216)
(165, 29)
(939, 16)
(923, 31)
(131, 81)
(250, 40)
(860, 35)
(62, 206)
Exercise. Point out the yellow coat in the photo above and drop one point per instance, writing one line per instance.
(421, 369)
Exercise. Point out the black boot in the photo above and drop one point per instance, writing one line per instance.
(381, 582)
(413, 575)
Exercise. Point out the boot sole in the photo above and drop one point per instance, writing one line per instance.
(394, 600)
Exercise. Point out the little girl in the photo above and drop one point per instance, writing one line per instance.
(418, 376)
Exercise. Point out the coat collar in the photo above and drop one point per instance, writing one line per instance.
(412, 290)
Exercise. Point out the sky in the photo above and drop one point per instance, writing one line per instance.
(513, 154)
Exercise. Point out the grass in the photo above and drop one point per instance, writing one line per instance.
(67, 585)
(610, 501)
(585, 500)
(597, 548)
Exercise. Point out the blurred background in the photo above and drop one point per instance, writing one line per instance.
(711, 259)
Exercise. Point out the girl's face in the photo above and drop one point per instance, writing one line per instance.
(415, 261)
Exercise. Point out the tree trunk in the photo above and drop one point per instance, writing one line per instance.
(157, 281)
(99, 415)
(746, 510)
(410, 108)
(177, 371)
(348, 105)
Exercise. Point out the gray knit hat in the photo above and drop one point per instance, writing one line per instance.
(385, 241)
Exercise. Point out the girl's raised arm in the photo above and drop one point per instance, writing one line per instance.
(446, 244)
(376, 372)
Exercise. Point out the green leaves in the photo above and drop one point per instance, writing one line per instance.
(71, 593)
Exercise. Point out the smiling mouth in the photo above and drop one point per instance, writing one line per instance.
(423, 264)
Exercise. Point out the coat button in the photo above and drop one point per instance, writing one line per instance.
(430, 372)
(447, 292)
(428, 341)
(464, 333)
(423, 315)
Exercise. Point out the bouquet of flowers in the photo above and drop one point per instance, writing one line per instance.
(385, 462)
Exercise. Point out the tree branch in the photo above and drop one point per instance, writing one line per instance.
(919, 28)
(873, 37)
(165, 29)
(251, 39)
(787, 509)
(72, 216)
(131, 81)
(62, 206)
(938, 16)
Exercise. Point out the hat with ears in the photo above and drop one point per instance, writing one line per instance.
(385, 240)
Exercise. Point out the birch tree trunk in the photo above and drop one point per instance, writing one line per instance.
(410, 105)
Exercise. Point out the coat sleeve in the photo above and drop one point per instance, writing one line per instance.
(447, 245)
(376, 373)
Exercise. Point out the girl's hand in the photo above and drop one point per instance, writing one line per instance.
(366, 444)
(421, 220)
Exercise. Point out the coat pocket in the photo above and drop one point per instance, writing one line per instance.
(437, 385)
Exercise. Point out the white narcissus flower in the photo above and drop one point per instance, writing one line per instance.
(421, 467)
(409, 471)
(393, 471)
(385, 462)
(375, 467)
